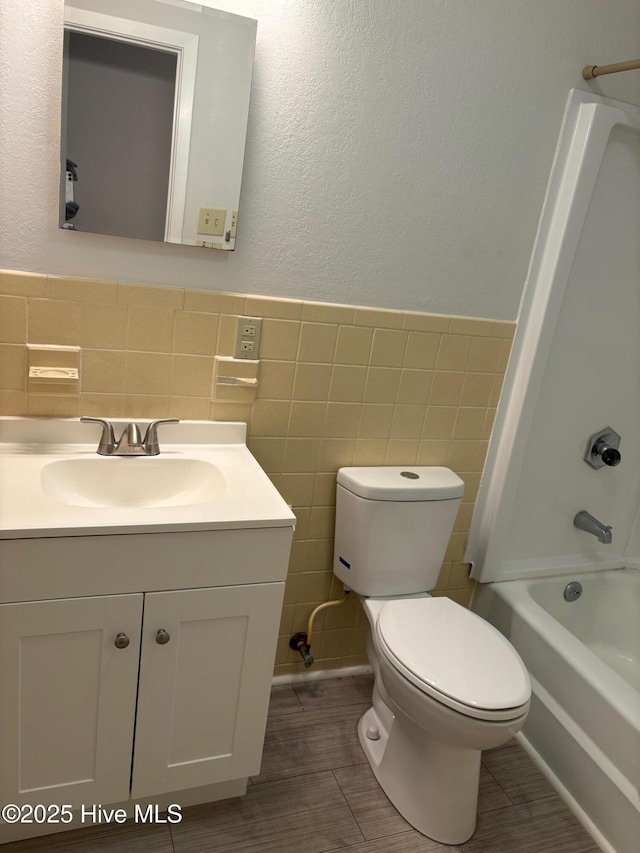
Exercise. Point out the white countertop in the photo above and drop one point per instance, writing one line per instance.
(247, 500)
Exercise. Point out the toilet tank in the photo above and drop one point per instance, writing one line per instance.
(393, 525)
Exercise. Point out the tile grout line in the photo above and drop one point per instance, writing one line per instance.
(501, 788)
(173, 846)
(348, 804)
(307, 773)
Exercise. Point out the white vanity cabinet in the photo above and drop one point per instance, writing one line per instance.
(144, 675)
(198, 666)
(68, 699)
(138, 620)
(206, 665)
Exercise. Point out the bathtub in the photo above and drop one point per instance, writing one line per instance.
(583, 657)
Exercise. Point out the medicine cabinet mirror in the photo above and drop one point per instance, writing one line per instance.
(155, 103)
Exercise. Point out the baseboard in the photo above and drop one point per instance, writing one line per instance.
(319, 674)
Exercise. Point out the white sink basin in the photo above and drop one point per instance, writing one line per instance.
(132, 481)
(53, 482)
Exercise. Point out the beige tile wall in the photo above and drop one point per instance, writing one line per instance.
(338, 385)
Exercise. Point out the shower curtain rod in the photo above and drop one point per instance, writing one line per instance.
(591, 71)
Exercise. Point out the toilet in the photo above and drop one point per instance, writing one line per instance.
(447, 683)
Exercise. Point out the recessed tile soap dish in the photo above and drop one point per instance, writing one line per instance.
(53, 374)
(238, 381)
(53, 369)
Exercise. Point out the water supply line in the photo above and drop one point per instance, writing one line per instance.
(301, 642)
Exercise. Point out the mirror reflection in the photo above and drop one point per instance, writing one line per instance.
(154, 117)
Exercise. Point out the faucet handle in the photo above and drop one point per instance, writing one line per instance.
(107, 439)
(150, 440)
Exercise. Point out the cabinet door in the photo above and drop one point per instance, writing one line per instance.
(204, 695)
(67, 699)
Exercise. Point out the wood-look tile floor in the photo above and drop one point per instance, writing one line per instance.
(316, 793)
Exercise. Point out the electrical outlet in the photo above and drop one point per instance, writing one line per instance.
(234, 222)
(248, 337)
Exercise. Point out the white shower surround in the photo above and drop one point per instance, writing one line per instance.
(575, 366)
(575, 369)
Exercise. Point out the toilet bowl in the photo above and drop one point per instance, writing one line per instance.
(447, 684)
(424, 734)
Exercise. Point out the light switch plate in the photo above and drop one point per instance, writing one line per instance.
(211, 221)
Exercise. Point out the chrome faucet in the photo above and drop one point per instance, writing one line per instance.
(130, 442)
(585, 521)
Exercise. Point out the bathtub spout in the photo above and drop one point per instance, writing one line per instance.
(585, 521)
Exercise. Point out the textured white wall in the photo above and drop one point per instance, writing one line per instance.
(397, 156)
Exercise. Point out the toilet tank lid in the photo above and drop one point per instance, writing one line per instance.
(402, 483)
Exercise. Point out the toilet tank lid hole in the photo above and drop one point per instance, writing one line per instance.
(402, 483)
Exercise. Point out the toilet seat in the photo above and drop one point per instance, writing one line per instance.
(454, 656)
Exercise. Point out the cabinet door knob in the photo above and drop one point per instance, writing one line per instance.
(121, 641)
(162, 637)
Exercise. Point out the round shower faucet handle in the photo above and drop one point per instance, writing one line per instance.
(602, 449)
(610, 455)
